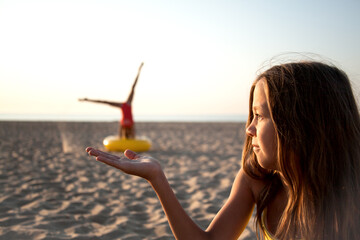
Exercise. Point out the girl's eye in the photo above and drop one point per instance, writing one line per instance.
(258, 116)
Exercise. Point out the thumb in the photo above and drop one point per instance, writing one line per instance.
(130, 154)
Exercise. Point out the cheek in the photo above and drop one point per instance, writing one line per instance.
(271, 147)
(266, 135)
(270, 139)
(268, 142)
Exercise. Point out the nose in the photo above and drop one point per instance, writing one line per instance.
(251, 130)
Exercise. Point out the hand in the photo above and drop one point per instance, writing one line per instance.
(82, 99)
(131, 163)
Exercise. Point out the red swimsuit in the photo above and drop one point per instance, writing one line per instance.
(127, 119)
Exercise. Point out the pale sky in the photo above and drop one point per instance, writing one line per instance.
(200, 56)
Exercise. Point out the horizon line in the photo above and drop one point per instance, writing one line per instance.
(116, 117)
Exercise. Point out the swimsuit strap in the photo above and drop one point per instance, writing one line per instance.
(267, 234)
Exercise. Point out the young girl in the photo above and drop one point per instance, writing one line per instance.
(126, 128)
(300, 163)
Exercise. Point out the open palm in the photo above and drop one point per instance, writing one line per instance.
(130, 163)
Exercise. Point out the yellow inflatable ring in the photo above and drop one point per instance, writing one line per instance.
(116, 144)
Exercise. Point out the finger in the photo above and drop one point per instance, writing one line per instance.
(107, 155)
(131, 155)
(93, 152)
(108, 161)
(88, 149)
(119, 163)
(97, 153)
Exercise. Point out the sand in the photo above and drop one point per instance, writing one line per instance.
(51, 189)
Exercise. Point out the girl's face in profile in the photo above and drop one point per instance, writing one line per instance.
(261, 129)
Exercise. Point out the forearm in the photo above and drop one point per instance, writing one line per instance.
(182, 226)
(114, 104)
(96, 101)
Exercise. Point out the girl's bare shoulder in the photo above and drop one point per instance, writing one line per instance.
(255, 185)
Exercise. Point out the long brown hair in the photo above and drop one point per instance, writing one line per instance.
(317, 123)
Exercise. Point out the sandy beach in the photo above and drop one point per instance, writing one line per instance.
(51, 189)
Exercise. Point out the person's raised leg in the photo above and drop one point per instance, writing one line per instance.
(131, 95)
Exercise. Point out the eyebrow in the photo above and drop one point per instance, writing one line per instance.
(263, 107)
(260, 106)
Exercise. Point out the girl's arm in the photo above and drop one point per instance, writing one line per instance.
(228, 223)
(114, 104)
(233, 217)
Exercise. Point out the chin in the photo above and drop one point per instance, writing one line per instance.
(268, 166)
